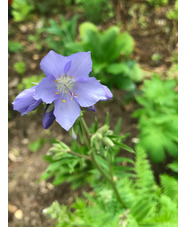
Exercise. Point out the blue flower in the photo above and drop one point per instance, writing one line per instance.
(48, 117)
(67, 86)
(24, 102)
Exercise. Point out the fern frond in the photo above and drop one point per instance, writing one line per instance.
(170, 186)
(144, 176)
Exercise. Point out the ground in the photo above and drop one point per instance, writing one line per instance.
(28, 196)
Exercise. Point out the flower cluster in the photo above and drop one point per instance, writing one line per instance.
(66, 87)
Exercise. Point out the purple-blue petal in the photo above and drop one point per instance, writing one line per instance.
(88, 92)
(24, 102)
(91, 108)
(46, 90)
(66, 111)
(81, 65)
(53, 64)
(108, 93)
(48, 117)
(67, 67)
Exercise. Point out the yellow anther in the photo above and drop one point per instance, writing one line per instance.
(71, 77)
(57, 93)
(56, 81)
(63, 100)
(75, 94)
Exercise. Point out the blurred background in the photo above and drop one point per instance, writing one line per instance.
(133, 46)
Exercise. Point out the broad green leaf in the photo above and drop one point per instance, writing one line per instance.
(83, 30)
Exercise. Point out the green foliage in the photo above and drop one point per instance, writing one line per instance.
(20, 67)
(110, 53)
(64, 166)
(158, 2)
(130, 69)
(21, 10)
(158, 119)
(73, 164)
(28, 82)
(148, 204)
(14, 46)
(145, 179)
(170, 187)
(174, 166)
(92, 216)
(156, 57)
(97, 10)
(173, 14)
(61, 34)
(48, 7)
(37, 144)
(106, 46)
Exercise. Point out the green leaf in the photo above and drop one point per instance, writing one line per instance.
(125, 147)
(124, 83)
(21, 10)
(136, 73)
(14, 46)
(118, 126)
(83, 30)
(108, 38)
(124, 45)
(173, 166)
(107, 119)
(118, 68)
(170, 186)
(37, 144)
(141, 209)
(20, 67)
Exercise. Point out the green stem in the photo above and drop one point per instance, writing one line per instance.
(109, 180)
(92, 158)
(86, 133)
(80, 155)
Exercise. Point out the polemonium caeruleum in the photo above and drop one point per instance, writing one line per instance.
(24, 102)
(67, 86)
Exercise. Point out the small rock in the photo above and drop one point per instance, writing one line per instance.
(25, 141)
(50, 186)
(35, 57)
(18, 214)
(11, 124)
(135, 140)
(39, 24)
(12, 157)
(23, 28)
(11, 208)
(13, 83)
(33, 66)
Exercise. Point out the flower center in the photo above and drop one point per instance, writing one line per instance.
(64, 84)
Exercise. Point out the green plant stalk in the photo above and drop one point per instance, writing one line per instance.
(110, 180)
(79, 155)
(86, 133)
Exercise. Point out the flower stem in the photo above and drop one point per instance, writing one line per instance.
(86, 133)
(79, 155)
(109, 180)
